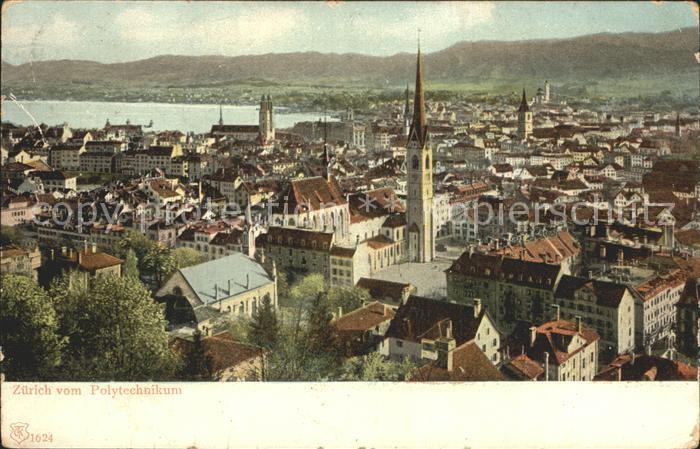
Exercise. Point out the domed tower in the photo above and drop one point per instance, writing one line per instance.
(524, 119)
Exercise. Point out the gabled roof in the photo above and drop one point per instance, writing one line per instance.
(363, 319)
(646, 367)
(381, 289)
(469, 364)
(423, 317)
(606, 293)
(554, 338)
(515, 271)
(221, 351)
(244, 275)
(299, 238)
(551, 249)
(523, 367)
(311, 193)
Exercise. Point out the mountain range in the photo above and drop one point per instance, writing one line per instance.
(579, 59)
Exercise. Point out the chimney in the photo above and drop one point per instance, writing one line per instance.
(477, 307)
(590, 274)
(546, 366)
(558, 309)
(533, 335)
(634, 356)
(216, 293)
(85, 246)
(340, 311)
(445, 347)
(94, 248)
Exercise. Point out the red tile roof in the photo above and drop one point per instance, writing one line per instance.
(469, 365)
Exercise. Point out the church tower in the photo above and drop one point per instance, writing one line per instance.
(524, 119)
(419, 203)
(266, 122)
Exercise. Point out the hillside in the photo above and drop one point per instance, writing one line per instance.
(592, 57)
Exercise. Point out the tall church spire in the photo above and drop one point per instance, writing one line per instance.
(221, 116)
(419, 131)
(523, 104)
(524, 119)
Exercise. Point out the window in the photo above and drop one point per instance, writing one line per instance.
(415, 163)
(495, 342)
(399, 343)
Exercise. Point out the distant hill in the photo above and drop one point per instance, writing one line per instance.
(592, 57)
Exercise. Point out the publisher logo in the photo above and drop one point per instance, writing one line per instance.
(18, 432)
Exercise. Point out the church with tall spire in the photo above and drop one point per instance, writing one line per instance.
(524, 119)
(419, 201)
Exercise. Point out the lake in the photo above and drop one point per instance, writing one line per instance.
(165, 116)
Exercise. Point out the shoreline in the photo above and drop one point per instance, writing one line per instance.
(278, 109)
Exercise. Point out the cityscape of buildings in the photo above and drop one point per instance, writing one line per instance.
(524, 240)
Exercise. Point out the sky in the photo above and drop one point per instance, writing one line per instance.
(130, 30)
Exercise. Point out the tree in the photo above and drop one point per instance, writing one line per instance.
(131, 265)
(136, 241)
(302, 292)
(159, 263)
(283, 290)
(374, 367)
(238, 327)
(117, 332)
(9, 235)
(347, 298)
(263, 329)
(186, 257)
(29, 336)
(320, 335)
(291, 359)
(195, 367)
